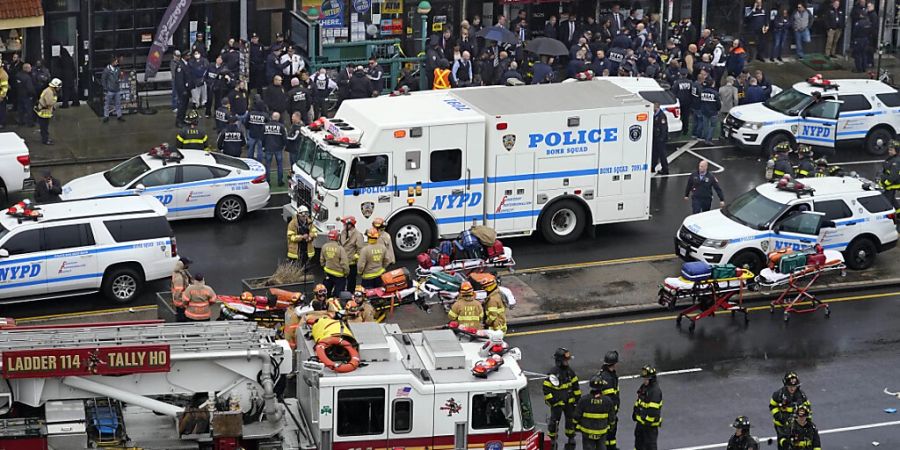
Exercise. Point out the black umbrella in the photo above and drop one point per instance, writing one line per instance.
(546, 46)
(498, 34)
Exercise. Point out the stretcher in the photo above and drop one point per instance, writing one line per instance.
(467, 266)
(796, 297)
(707, 296)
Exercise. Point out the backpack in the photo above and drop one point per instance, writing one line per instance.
(495, 250)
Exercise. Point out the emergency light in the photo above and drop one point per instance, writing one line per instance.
(163, 152)
(487, 366)
(24, 210)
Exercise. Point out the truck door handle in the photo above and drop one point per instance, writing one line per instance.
(456, 192)
(870, 114)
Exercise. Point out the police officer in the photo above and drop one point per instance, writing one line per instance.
(784, 404)
(274, 143)
(741, 439)
(805, 166)
(710, 104)
(181, 85)
(181, 279)
(466, 310)
(298, 99)
(890, 174)
(781, 162)
(191, 137)
(257, 63)
(385, 238)
(682, 90)
(803, 434)
(232, 140)
(561, 393)
(494, 304)
(352, 241)
(699, 189)
(321, 86)
(372, 260)
(300, 234)
(608, 372)
(196, 299)
(333, 260)
(256, 124)
(222, 113)
(592, 414)
(660, 136)
(647, 413)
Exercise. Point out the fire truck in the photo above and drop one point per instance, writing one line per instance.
(553, 159)
(224, 385)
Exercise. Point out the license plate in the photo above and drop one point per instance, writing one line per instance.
(726, 132)
(682, 251)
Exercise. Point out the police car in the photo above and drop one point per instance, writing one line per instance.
(112, 245)
(865, 112)
(840, 213)
(190, 183)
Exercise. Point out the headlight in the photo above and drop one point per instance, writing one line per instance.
(753, 125)
(715, 243)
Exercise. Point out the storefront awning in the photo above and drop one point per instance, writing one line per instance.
(21, 14)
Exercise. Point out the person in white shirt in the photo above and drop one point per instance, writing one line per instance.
(296, 62)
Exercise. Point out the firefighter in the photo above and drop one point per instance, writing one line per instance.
(466, 310)
(647, 411)
(191, 137)
(561, 393)
(741, 439)
(385, 238)
(494, 304)
(784, 403)
(352, 241)
(365, 310)
(372, 260)
(46, 105)
(608, 372)
(334, 262)
(821, 168)
(320, 298)
(805, 166)
(802, 433)
(781, 163)
(197, 298)
(890, 174)
(336, 304)
(300, 234)
(592, 414)
(181, 279)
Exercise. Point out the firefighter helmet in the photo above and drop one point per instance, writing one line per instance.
(352, 307)
(378, 222)
(804, 150)
(349, 219)
(822, 162)
(648, 371)
(320, 289)
(372, 234)
(562, 354)
(803, 411)
(466, 290)
(191, 117)
(895, 144)
(791, 379)
(742, 422)
(783, 147)
(333, 235)
(598, 383)
(611, 358)
(302, 210)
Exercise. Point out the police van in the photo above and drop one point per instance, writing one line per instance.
(111, 245)
(846, 214)
(552, 158)
(860, 112)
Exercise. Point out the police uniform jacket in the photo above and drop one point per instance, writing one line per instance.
(702, 186)
(648, 405)
(709, 102)
(238, 102)
(180, 81)
(274, 137)
(297, 100)
(682, 89)
(660, 127)
(592, 416)
(256, 121)
(222, 117)
(275, 98)
(561, 387)
(783, 404)
(231, 140)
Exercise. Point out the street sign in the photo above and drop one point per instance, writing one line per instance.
(122, 360)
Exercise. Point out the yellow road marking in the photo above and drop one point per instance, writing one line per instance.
(607, 262)
(657, 319)
(85, 314)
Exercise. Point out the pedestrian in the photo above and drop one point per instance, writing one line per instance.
(300, 234)
(742, 439)
(784, 403)
(718, 61)
(780, 26)
(441, 75)
(781, 162)
(755, 93)
(360, 86)
(112, 98)
(199, 46)
(41, 75)
(873, 43)
(805, 165)
(197, 70)
(591, 416)
(181, 279)
(375, 74)
(181, 85)
(321, 86)
(294, 140)
(660, 136)
(4, 93)
(191, 137)
(863, 30)
(728, 97)
(298, 100)
(232, 139)
(466, 310)
(512, 76)
(335, 263)
(699, 189)
(372, 260)
(551, 29)
(26, 92)
(47, 190)
(385, 239)
(275, 97)
(890, 174)
(343, 84)
(196, 299)
(543, 71)
(801, 20)
(736, 60)
(46, 107)
(494, 304)
(647, 413)
(255, 123)
(561, 392)
(609, 375)
(231, 56)
(352, 241)
(710, 105)
(758, 25)
(274, 143)
(764, 83)
(834, 26)
(461, 75)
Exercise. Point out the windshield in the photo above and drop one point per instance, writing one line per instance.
(525, 409)
(753, 210)
(328, 167)
(123, 173)
(307, 151)
(789, 102)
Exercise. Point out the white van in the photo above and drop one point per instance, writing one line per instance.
(113, 245)
(650, 90)
(840, 213)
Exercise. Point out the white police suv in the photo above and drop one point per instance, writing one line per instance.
(840, 213)
(113, 245)
(861, 112)
(190, 183)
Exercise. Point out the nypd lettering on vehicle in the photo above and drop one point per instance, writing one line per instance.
(456, 201)
(19, 272)
(572, 141)
(815, 131)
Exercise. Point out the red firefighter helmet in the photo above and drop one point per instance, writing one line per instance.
(333, 235)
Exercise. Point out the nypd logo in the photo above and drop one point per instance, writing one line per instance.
(570, 142)
(634, 133)
(456, 201)
(19, 272)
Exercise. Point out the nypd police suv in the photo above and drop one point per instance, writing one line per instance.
(190, 183)
(113, 245)
(841, 213)
(821, 113)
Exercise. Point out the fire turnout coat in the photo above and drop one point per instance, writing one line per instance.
(298, 232)
(801, 437)
(4, 84)
(372, 261)
(648, 406)
(495, 311)
(467, 311)
(561, 387)
(181, 279)
(783, 404)
(612, 385)
(385, 239)
(592, 416)
(333, 259)
(352, 241)
(197, 298)
(47, 103)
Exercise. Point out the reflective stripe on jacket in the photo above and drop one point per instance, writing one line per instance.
(333, 259)
(561, 387)
(467, 312)
(592, 416)
(648, 406)
(371, 262)
(197, 298)
(47, 103)
(495, 311)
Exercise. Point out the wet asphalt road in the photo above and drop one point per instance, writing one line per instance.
(252, 248)
(844, 363)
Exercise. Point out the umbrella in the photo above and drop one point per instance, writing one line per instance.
(498, 34)
(546, 46)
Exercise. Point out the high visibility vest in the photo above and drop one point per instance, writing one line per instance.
(441, 79)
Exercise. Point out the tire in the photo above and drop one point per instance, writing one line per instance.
(563, 222)
(774, 140)
(122, 285)
(747, 259)
(230, 209)
(878, 140)
(410, 235)
(860, 254)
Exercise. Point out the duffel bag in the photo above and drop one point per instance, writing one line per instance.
(443, 259)
(791, 262)
(395, 280)
(468, 241)
(480, 280)
(495, 250)
(444, 281)
(696, 271)
(776, 256)
(721, 271)
(815, 260)
(424, 260)
(485, 234)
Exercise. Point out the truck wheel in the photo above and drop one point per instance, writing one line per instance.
(773, 142)
(230, 209)
(749, 260)
(122, 284)
(878, 140)
(562, 222)
(860, 254)
(410, 235)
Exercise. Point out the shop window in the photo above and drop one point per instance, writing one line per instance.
(360, 412)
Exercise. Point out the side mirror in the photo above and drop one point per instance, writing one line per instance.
(4, 253)
(320, 182)
(828, 224)
(140, 188)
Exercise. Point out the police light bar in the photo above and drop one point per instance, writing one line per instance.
(818, 80)
(24, 210)
(487, 366)
(788, 185)
(163, 152)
